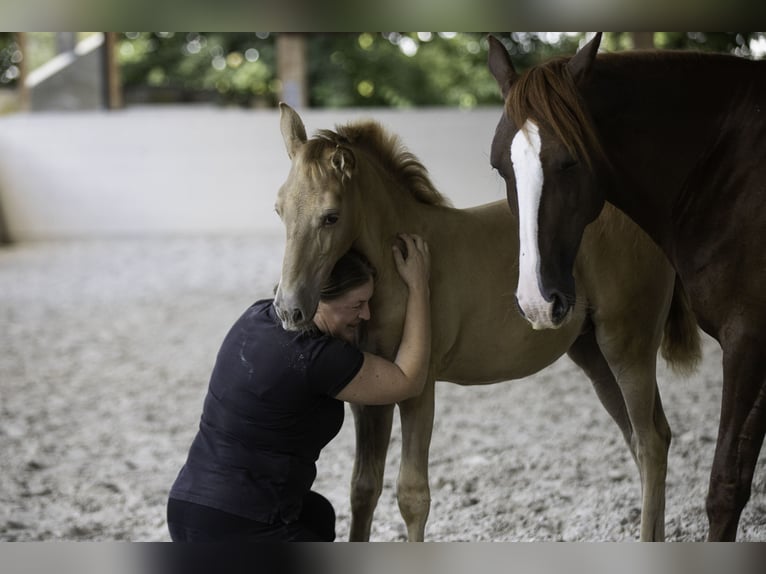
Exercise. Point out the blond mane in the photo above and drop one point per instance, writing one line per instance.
(371, 138)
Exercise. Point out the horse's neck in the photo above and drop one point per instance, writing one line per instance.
(386, 209)
(658, 121)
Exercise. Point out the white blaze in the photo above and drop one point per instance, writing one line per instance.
(528, 169)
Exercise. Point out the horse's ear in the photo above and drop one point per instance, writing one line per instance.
(293, 130)
(343, 161)
(500, 65)
(580, 64)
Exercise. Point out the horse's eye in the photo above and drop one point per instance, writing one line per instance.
(568, 164)
(330, 219)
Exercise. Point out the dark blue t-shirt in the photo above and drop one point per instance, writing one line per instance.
(268, 413)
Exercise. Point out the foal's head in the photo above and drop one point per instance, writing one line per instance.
(333, 198)
(546, 151)
(319, 218)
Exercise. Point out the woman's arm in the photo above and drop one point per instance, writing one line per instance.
(380, 381)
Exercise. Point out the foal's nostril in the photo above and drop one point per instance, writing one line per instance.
(560, 307)
(297, 316)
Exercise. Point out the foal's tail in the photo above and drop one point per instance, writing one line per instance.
(681, 346)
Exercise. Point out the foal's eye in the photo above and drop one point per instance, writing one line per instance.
(330, 219)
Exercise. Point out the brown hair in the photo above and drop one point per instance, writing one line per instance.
(351, 271)
(548, 93)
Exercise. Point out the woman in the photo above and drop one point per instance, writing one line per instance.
(275, 400)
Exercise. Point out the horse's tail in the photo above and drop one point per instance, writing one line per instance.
(681, 345)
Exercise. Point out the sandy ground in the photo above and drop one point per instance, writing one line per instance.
(106, 350)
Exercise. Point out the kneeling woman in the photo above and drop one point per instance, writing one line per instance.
(275, 400)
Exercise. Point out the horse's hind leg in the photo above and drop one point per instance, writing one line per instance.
(634, 403)
(412, 490)
(740, 434)
(373, 431)
(632, 354)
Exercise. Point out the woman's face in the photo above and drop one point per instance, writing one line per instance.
(341, 317)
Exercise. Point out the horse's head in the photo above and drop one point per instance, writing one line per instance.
(545, 149)
(319, 220)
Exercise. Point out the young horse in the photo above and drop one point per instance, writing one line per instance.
(358, 188)
(676, 141)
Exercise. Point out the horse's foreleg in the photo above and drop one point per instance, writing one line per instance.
(412, 490)
(373, 431)
(740, 435)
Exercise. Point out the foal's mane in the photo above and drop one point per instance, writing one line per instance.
(387, 148)
(547, 93)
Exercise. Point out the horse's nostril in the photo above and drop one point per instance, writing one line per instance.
(518, 307)
(297, 316)
(560, 307)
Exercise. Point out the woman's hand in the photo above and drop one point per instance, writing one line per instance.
(415, 269)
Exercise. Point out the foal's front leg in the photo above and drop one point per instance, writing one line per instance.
(412, 490)
(373, 431)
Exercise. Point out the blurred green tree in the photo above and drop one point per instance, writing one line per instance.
(357, 69)
(10, 60)
(222, 67)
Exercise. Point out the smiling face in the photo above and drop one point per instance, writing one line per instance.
(342, 316)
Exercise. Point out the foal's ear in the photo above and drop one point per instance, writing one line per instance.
(343, 161)
(293, 130)
(580, 64)
(500, 65)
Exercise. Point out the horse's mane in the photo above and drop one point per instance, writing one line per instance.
(387, 149)
(547, 94)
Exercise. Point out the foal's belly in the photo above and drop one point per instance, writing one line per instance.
(502, 349)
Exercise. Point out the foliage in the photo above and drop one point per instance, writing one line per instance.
(361, 69)
(234, 68)
(730, 42)
(10, 58)
(399, 70)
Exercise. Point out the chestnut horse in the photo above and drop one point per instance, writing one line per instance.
(677, 140)
(358, 187)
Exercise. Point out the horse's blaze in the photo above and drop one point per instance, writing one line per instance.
(528, 169)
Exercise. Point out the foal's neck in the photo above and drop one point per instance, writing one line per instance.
(387, 209)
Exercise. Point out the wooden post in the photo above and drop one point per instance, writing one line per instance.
(642, 40)
(112, 82)
(292, 69)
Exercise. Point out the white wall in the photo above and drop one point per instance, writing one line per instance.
(179, 170)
